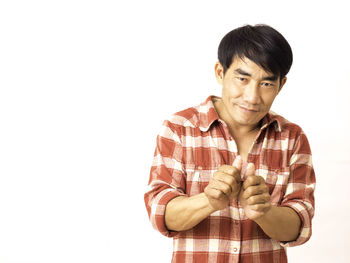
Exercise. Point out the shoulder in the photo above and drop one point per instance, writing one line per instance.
(180, 123)
(186, 118)
(292, 133)
(284, 125)
(199, 116)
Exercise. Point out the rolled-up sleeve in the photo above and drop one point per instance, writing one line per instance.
(299, 193)
(166, 177)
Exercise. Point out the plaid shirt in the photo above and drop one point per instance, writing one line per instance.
(192, 145)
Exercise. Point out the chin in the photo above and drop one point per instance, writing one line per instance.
(247, 121)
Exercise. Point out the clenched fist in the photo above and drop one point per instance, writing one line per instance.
(225, 185)
(254, 195)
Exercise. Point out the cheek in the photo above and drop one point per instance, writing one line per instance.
(268, 99)
(231, 90)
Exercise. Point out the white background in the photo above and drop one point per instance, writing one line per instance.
(85, 86)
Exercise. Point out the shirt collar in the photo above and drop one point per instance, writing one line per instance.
(271, 118)
(208, 115)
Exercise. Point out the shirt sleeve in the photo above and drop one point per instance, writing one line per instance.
(300, 189)
(167, 179)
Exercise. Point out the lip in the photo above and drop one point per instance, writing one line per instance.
(247, 110)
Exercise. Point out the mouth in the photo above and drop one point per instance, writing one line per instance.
(247, 109)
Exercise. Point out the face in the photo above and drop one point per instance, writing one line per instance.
(248, 92)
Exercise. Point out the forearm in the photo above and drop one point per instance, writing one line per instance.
(183, 213)
(280, 223)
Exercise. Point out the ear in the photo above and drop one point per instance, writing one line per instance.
(283, 81)
(219, 72)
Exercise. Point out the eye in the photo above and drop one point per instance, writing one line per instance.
(267, 84)
(241, 79)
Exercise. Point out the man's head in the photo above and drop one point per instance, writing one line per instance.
(252, 68)
(261, 44)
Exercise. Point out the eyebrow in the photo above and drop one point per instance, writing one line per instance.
(244, 73)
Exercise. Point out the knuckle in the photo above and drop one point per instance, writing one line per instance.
(249, 191)
(219, 194)
(228, 169)
(234, 170)
(224, 188)
(212, 193)
(223, 168)
(208, 188)
(255, 207)
(220, 175)
(259, 207)
(216, 195)
(255, 178)
(230, 180)
(216, 174)
(267, 197)
(260, 178)
(249, 180)
(213, 181)
(251, 200)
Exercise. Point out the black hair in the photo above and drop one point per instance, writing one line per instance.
(260, 43)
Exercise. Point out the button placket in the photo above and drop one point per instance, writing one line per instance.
(231, 143)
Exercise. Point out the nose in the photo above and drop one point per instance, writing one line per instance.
(252, 93)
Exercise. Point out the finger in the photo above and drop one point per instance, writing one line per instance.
(228, 179)
(229, 169)
(231, 181)
(238, 163)
(253, 180)
(215, 193)
(258, 199)
(232, 171)
(253, 190)
(250, 171)
(221, 186)
(260, 207)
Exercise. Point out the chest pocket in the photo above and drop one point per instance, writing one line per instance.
(197, 179)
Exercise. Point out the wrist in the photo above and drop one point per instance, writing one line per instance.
(209, 207)
(266, 215)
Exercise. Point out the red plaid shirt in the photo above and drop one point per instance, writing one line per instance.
(192, 145)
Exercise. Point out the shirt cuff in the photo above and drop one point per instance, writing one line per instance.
(157, 216)
(301, 208)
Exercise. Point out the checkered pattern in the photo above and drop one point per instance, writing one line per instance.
(191, 146)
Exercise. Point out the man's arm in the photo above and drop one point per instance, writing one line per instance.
(183, 213)
(298, 201)
(279, 223)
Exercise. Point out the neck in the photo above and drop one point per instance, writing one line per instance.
(242, 130)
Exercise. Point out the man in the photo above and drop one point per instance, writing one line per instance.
(232, 181)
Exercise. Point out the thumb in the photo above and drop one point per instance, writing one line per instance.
(238, 163)
(250, 169)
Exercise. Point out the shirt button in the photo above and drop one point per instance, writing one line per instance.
(235, 249)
